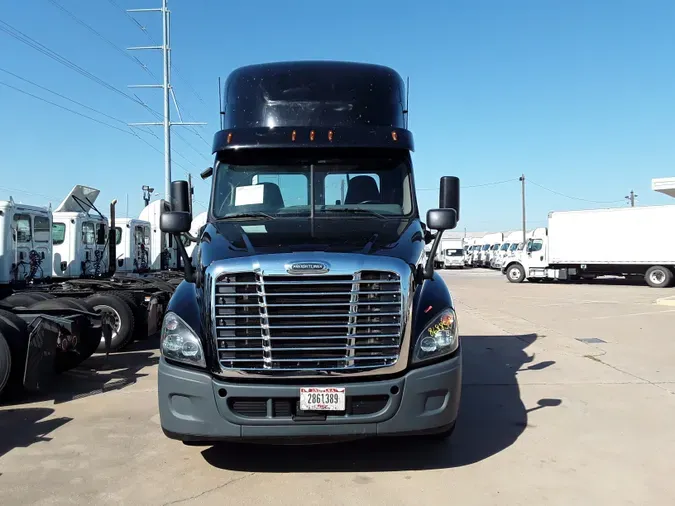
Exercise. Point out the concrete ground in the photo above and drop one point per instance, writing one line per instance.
(568, 399)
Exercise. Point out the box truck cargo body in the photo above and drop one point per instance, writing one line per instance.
(630, 242)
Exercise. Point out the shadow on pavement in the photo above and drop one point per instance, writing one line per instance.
(492, 417)
(21, 427)
(96, 375)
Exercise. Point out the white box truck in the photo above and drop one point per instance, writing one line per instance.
(453, 253)
(629, 242)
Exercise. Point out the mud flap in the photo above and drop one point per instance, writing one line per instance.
(40, 356)
(154, 314)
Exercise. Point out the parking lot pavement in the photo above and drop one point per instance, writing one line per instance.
(567, 400)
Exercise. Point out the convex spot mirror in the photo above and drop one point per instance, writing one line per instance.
(175, 222)
(441, 219)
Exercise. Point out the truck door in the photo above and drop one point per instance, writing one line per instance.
(42, 244)
(22, 244)
(536, 254)
(88, 243)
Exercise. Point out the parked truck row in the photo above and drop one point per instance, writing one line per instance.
(73, 282)
(629, 242)
(633, 242)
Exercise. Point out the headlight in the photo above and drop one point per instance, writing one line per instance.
(179, 342)
(440, 337)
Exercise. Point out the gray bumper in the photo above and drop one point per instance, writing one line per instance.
(194, 406)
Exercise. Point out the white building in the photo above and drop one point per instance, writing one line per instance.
(665, 185)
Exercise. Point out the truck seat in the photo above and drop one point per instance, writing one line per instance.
(360, 189)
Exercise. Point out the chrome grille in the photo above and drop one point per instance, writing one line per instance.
(321, 322)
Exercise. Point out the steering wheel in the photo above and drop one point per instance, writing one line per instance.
(369, 202)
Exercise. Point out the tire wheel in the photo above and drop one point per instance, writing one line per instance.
(515, 273)
(658, 276)
(87, 341)
(5, 362)
(15, 334)
(140, 315)
(123, 330)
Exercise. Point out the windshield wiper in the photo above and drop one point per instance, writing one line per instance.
(257, 214)
(356, 210)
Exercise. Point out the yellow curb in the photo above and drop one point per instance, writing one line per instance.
(666, 301)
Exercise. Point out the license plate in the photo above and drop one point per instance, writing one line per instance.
(322, 399)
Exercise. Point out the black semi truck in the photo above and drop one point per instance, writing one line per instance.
(308, 310)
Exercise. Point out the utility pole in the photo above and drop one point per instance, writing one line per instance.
(167, 91)
(631, 198)
(522, 196)
(147, 194)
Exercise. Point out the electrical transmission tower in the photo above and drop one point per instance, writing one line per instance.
(166, 88)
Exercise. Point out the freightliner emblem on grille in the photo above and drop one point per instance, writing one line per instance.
(307, 268)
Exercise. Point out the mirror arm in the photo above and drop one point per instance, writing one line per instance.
(191, 237)
(429, 268)
(188, 268)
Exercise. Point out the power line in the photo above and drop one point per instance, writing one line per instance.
(41, 48)
(154, 41)
(494, 183)
(64, 108)
(117, 120)
(125, 131)
(32, 194)
(102, 37)
(574, 198)
(59, 95)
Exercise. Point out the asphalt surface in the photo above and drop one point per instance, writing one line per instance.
(568, 399)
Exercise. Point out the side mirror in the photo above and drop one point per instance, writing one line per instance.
(449, 194)
(180, 197)
(175, 222)
(441, 219)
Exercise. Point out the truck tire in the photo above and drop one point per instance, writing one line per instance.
(113, 304)
(5, 362)
(87, 341)
(15, 334)
(658, 276)
(515, 273)
(140, 313)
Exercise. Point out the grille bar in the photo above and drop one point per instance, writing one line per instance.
(346, 322)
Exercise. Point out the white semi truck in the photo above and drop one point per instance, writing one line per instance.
(629, 242)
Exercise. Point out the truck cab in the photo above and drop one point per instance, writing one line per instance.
(163, 253)
(133, 244)
(453, 253)
(309, 311)
(79, 237)
(25, 242)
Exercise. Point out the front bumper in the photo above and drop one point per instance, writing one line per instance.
(194, 406)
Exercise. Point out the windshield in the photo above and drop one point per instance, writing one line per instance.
(514, 246)
(486, 247)
(521, 246)
(454, 252)
(495, 247)
(281, 184)
(505, 246)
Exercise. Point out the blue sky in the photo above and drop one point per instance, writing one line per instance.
(578, 95)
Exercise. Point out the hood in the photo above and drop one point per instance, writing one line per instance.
(400, 238)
